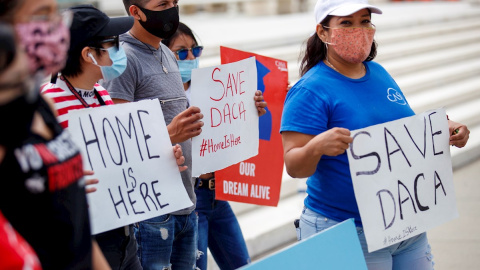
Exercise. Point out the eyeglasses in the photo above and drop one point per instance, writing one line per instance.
(183, 53)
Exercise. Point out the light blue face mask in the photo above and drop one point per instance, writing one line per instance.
(119, 60)
(186, 67)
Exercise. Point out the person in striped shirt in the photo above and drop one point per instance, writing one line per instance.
(95, 54)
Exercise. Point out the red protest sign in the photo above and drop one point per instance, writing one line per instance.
(258, 180)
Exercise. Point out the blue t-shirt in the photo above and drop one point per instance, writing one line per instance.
(323, 99)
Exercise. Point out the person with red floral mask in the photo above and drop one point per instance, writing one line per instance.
(342, 89)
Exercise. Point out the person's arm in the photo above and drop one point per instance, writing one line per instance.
(302, 152)
(98, 260)
(459, 134)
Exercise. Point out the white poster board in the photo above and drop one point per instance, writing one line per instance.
(129, 149)
(225, 95)
(402, 177)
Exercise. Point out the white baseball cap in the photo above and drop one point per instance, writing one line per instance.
(323, 8)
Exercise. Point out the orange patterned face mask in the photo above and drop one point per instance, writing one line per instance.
(352, 44)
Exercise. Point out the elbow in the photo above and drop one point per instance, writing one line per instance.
(297, 172)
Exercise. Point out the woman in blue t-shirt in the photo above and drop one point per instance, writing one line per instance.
(341, 89)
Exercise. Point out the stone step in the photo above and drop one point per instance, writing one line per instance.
(448, 95)
(431, 59)
(431, 79)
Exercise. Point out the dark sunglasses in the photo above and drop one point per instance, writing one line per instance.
(183, 53)
(97, 43)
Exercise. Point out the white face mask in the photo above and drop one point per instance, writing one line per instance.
(119, 63)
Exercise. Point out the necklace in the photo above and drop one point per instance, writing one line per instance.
(332, 66)
(154, 54)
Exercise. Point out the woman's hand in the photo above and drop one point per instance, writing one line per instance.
(260, 103)
(459, 134)
(177, 151)
(302, 152)
(89, 182)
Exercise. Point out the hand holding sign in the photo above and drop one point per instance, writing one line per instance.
(185, 125)
(402, 177)
(260, 103)
(460, 134)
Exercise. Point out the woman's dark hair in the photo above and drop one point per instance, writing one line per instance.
(7, 46)
(7, 9)
(316, 50)
(182, 29)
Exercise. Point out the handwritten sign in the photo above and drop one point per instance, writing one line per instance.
(337, 247)
(257, 180)
(402, 177)
(225, 95)
(128, 148)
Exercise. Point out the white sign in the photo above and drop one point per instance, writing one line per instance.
(225, 95)
(129, 149)
(402, 177)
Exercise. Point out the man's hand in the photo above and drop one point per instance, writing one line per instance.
(185, 125)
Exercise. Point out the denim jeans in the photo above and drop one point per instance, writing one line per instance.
(168, 242)
(413, 253)
(119, 249)
(218, 229)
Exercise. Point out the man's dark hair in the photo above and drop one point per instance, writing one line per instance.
(128, 3)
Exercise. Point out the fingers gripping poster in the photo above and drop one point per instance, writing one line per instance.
(225, 96)
(402, 177)
(129, 149)
(258, 180)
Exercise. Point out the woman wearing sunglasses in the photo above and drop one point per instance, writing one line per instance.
(186, 49)
(218, 228)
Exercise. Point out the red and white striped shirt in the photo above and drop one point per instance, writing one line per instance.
(66, 101)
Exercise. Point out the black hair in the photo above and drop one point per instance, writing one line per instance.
(316, 50)
(7, 46)
(128, 3)
(73, 67)
(7, 9)
(182, 29)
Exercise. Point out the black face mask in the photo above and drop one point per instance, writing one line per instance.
(17, 117)
(162, 24)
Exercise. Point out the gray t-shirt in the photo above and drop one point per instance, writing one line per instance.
(144, 78)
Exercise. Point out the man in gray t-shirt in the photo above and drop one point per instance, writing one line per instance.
(167, 241)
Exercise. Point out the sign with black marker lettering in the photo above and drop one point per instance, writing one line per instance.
(129, 149)
(402, 177)
(225, 95)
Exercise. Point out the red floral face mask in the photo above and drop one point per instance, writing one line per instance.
(352, 44)
(46, 44)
